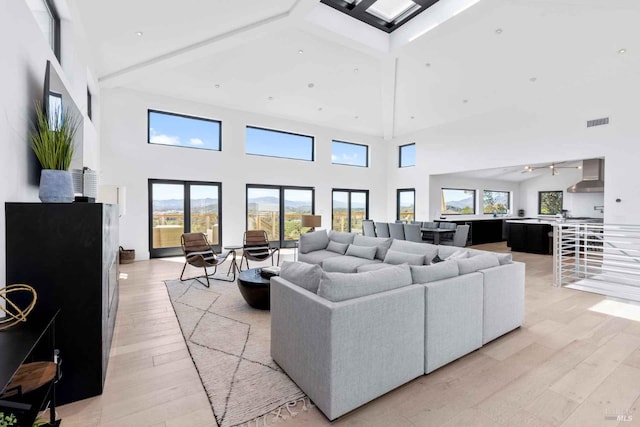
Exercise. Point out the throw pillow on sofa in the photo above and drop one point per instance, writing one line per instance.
(502, 258)
(339, 248)
(343, 286)
(434, 272)
(381, 243)
(480, 262)
(314, 241)
(373, 267)
(302, 274)
(460, 254)
(366, 252)
(427, 249)
(395, 257)
(341, 237)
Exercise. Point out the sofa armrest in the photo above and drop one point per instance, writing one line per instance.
(503, 300)
(347, 353)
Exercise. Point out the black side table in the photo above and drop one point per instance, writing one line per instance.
(254, 288)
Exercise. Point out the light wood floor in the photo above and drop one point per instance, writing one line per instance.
(568, 366)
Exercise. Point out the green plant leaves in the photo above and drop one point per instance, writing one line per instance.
(53, 143)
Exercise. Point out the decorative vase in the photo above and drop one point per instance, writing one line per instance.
(56, 186)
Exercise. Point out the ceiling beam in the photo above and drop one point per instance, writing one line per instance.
(217, 43)
(389, 77)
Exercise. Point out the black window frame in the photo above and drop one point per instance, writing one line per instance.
(475, 200)
(313, 143)
(496, 191)
(540, 201)
(350, 190)
(400, 147)
(89, 104)
(405, 190)
(184, 116)
(173, 251)
(281, 243)
(366, 165)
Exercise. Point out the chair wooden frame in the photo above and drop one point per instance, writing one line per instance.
(256, 247)
(199, 253)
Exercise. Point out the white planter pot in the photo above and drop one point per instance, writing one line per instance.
(56, 186)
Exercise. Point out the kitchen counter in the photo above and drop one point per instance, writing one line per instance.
(532, 221)
(475, 218)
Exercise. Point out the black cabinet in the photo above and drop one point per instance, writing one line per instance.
(69, 253)
(483, 230)
(532, 238)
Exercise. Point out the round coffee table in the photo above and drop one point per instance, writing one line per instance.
(254, 288)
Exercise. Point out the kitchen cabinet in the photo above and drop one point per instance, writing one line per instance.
(529, 237)
(489, 230)
(69, 253)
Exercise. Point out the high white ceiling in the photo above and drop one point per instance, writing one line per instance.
(250, 49)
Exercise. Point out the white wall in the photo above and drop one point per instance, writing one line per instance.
(25, 53)
(578, 204)
(438, 182)
(128, 160)
(550, 128)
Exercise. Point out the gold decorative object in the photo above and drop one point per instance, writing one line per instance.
(14, 313)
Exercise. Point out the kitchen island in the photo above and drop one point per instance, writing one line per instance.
(530, 235)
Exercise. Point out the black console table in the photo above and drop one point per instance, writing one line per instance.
(33, 340)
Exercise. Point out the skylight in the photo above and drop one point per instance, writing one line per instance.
(385, 15)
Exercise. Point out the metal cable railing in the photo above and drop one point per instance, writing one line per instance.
(601, 258)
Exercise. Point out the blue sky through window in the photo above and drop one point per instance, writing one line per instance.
(183, 131)
(265, 142)
(407, 155)
(343, 153)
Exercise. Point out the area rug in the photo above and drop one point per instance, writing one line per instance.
(229, 344)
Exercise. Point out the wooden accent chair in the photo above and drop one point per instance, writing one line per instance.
(256, 247)
(199, 253)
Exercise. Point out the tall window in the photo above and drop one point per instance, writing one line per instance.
(89, 104)
(347, 153)
(278, 210)
(48, 21)
(455, 201)
(407, 155)
(179, 130)
(177, 207)
(549, 202)
(348, 209)
(406, 206)
(496, 202)
(273, 143)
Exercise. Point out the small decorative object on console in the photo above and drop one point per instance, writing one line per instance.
(14, 313)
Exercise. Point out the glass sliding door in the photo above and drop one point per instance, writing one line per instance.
(263, 210)
(349, 209)
(177, 207)
(278, 210)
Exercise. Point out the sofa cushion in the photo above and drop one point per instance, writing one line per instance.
(339, 248)
(373, 267)
(346, 264)
(302, 274)
(366, 252)
(459, 254)
(434, 272)
(479, 262)
(341, 237)
(313, 241)
(427, 249)
(381, 243)
(444, 251)
(503, 258)
(340, 286)
(317, 257)
(395, 257)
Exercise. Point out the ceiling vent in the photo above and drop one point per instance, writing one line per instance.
(598, 122)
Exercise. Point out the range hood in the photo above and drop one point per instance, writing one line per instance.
(592, 177)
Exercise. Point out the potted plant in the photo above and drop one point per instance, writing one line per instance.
(52, 140)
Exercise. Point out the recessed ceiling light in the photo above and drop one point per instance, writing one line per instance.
(498, 30)
(465, 101)
(532, 79)
(270, 98)
(217, 86)
(428, 64)
(139, 33)
(300, 51)
(622, 51)
(319, 108)
(355, 70)
(413, 117)
(310, 85)
(356, 117)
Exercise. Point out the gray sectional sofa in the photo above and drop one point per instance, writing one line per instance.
(348, 327)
